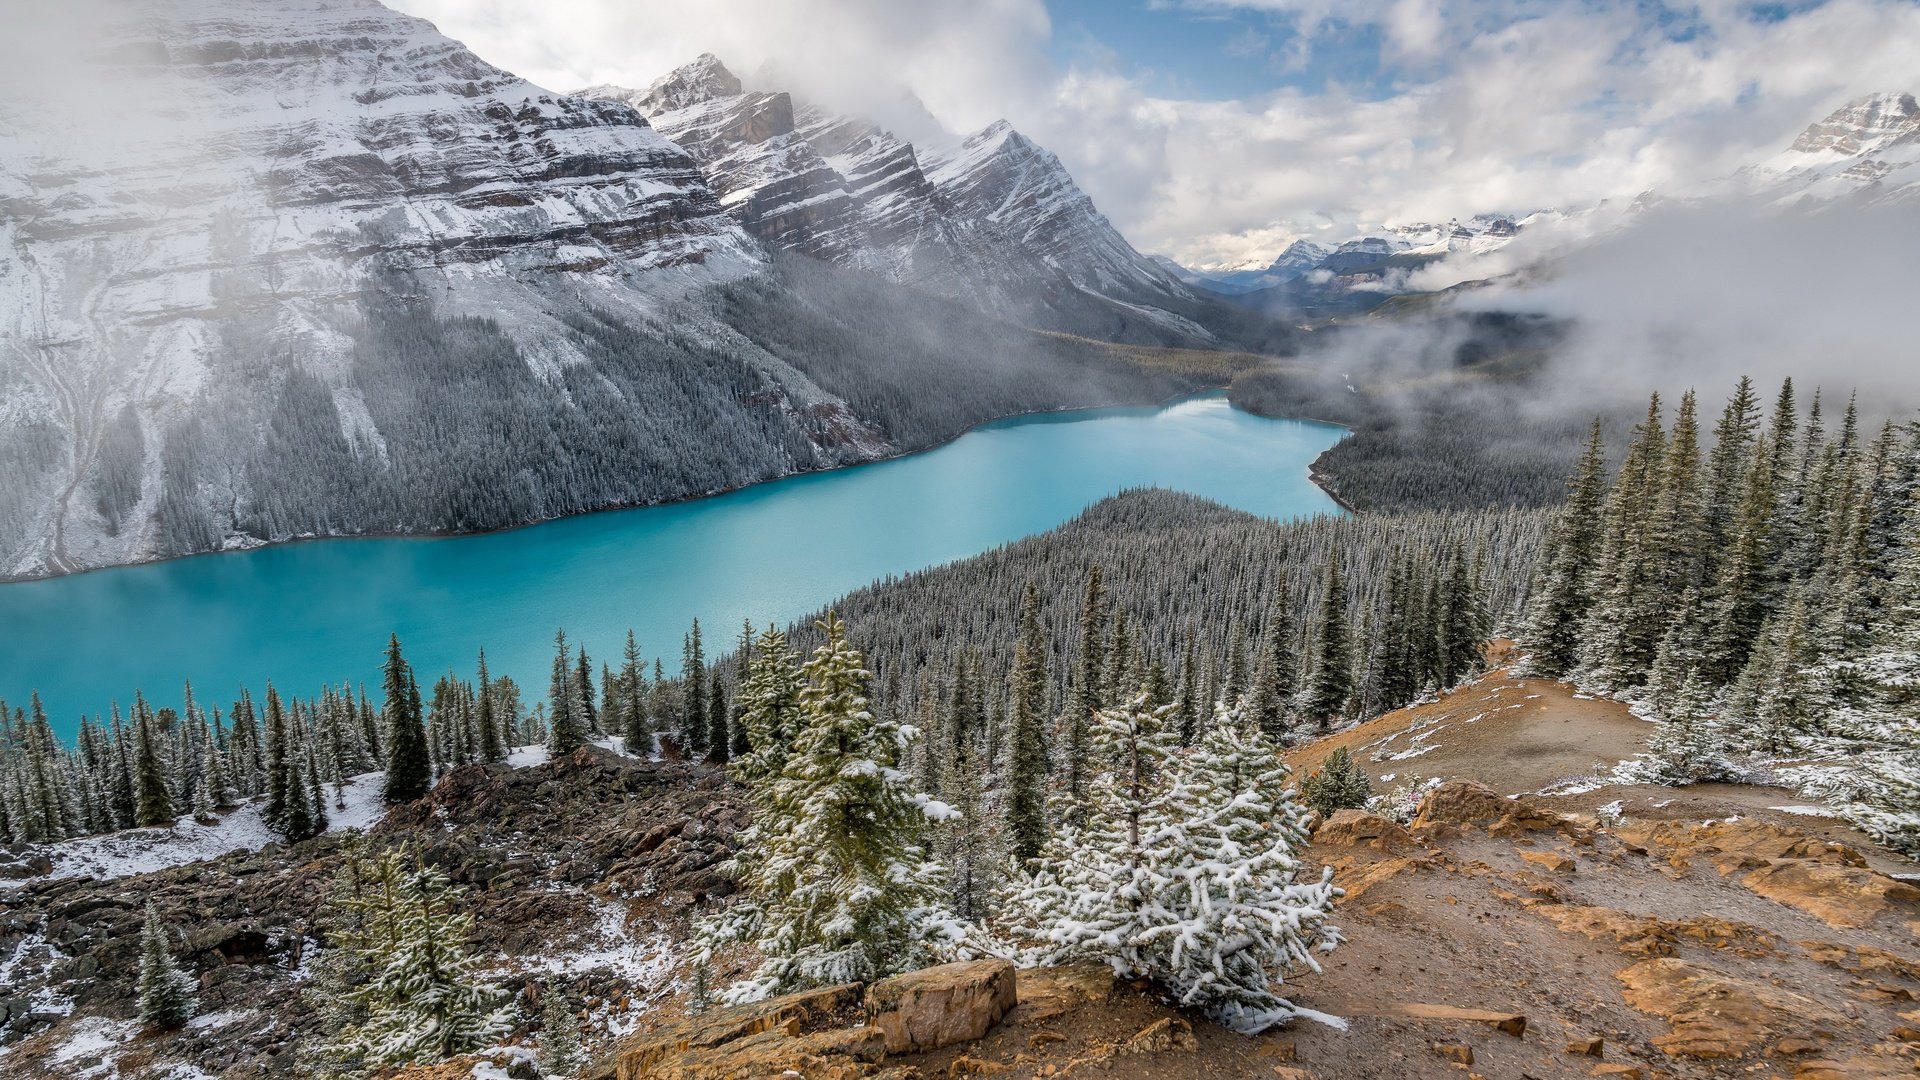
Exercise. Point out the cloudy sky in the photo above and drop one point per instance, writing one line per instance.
(1218, 130)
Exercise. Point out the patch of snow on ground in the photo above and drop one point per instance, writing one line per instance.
(219, 1019)
(90, 1048)
(1808, 811)
(644, 962)
(143, 851)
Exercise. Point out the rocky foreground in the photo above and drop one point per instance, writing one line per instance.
(1493, 936)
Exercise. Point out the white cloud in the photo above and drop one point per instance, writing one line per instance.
(1497, 104)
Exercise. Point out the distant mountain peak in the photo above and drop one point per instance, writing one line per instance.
(1863, 125)
(703, 80)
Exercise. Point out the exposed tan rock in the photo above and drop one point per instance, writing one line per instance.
(1512, 1023)
(1356, 876)
(1715, 1015)
(940, 1006)
(1732, 845)
(1549, 860)
(1646, 935)
(1839, 894)
(666, 1051)
(1618, 1069)
(1166, 1033)
(1859, 1067)
(1862, 959)
(972, 1066)
(1044, 993)
(1458, 1052)
(1354, 828)
(1587, 1046)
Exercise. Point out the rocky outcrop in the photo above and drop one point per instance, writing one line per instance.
(939, 1006)
(1716, 1015)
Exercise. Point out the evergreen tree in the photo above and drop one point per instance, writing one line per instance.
(636, 727)
(770, 707)
(409, 768)
(693, 688)
(838, 886)
(1338, 784)
(155, 802)
(585, 713)
(415, 993)
(492, 744)
(1027, 771)
(166, 993)
(1086, 697)
(1332, 683)
(566, 727)
(1274, 685)
(1184, 871)
(559, 1035)
(1564, 595)
(719, 739)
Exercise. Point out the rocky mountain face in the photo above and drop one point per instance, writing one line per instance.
(1863, 153)
(280, 269)
(993, 218)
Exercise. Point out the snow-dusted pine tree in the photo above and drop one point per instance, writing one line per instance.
(559, 1034)
(416, 994)
(838, 885)
(1185, 869)
(166, 991)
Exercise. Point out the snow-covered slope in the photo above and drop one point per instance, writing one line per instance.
(1865, 152)
(263, 256)
(991, 217)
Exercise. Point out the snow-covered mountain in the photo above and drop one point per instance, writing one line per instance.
(1865, 152)
(281, 268)
(992, 217)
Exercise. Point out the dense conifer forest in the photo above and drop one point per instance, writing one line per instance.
(1756, 588)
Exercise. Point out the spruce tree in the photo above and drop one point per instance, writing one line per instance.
(838, 887)
(693, 690)
(1564, 593)
(1330, 687)
(487, 725)
(1184, 871)
(566, 727)
(770, 707)
(1338, 784)
(559, 1035)
(585, 714)
(1027, 771)
(409, 768)
(414, 992)
(155, 802)
(166, 993)
(719, 739)
(636, 728)
(1275, 683)
(1087, 684)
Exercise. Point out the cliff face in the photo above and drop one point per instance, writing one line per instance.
(992, 218)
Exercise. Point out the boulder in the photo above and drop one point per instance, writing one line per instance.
(672, 1050)
(1512, 1023)
(1468, 802)
(940, 1006)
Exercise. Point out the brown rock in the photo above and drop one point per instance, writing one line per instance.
(1838, 894)
(1854, 1068)
(1462, 802)
(1550, 860)
(940, 1006)
(1459, 1052)
(1353, 828)
(1906, 1034)
(1714, 1015)
(1733, 845)
(1042, 1038)
(1619, 1069)
(1166, 1033)
(973, 1066)
(1045, 993)
(1357, 879)
(1282, 1049)
(782, 1016)
(1289, 1072)
(1588, 1045)
(1513, 1024)
(1646, 935)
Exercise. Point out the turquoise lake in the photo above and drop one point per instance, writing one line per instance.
(319, 612)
